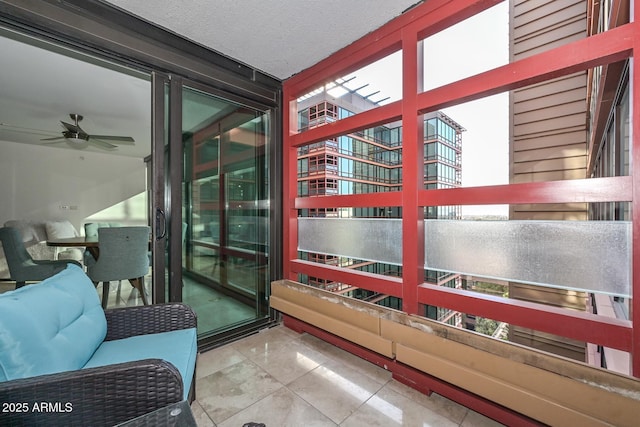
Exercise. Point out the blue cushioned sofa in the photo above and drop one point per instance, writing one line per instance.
(66, 361)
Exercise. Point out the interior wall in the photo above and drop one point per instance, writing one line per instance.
(49, 183)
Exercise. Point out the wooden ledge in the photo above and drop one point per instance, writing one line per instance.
(542, 386)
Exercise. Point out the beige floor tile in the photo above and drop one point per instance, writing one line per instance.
(443, 406)
(388, 409)
(289, 362)
(215, 360)
(230, 390)
(201, 417)
(335, 390)
(7, 286)
(282, 409)
(266, 341)
(474, 419)
(281, 329)
(347, 359)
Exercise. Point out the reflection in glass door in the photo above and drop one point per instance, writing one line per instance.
(225, 211)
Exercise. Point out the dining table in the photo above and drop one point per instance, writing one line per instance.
(91, 243)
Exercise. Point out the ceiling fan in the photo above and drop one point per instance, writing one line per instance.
(78, 138)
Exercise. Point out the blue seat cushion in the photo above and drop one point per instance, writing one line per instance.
(176, 347)
(52, 326)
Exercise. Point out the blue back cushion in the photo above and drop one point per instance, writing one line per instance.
(50, 327)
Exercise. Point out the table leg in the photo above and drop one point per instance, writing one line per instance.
(138, 283)
(94, 251)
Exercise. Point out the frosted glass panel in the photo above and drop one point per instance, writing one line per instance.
(361, 238)
(593, 256)
(583, 255)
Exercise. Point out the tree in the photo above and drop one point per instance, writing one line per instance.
(486, 326)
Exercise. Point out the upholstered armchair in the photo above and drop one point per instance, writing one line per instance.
(66, 361)
(22, 267)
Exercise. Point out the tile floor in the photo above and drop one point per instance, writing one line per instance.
(215, 310)
(281, 378)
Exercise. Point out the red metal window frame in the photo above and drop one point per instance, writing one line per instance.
(405, 33)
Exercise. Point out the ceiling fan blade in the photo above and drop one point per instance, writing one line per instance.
(21, 129)
(103, 144)
(72, 128)
(122, 140)
(55, 138)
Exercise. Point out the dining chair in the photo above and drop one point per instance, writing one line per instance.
(123, 256)
(91, 230)
(22, 266)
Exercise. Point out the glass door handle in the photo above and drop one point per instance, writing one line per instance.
(161, 224)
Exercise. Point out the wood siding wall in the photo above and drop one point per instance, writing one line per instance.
(548, 129)
(548, 134)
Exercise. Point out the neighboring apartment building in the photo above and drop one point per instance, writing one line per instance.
(370, 161)
(548, 134)
(608, 155)
(568, 128)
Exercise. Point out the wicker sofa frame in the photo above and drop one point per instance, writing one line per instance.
(107, 395)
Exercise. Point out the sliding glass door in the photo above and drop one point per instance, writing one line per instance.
(216, 206)
(210, 179)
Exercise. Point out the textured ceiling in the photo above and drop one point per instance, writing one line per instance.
(278, 37)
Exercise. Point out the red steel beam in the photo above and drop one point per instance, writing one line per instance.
(386, 199)
(614, 189)
(361, 279)
(635, 206)
(367, 119)
(582, 326)
(430, 18)
(605, 48)
(412, 172)
(290, 184)
(445, 17)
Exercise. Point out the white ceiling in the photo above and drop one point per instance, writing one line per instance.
(40, 87)
(278, 37)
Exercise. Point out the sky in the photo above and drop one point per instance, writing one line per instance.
(478, 44)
